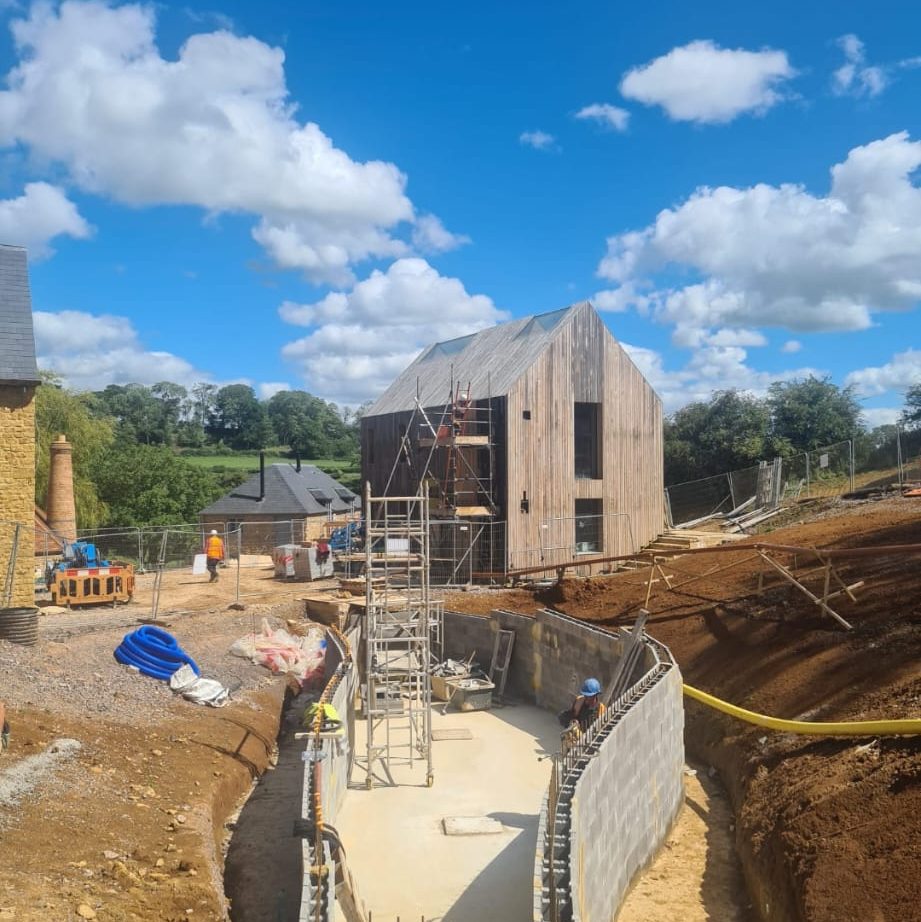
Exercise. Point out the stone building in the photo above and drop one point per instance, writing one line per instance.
(282, 504)
(18, 380)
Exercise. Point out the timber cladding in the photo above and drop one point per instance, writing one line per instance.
(577, 433)
(583, 364)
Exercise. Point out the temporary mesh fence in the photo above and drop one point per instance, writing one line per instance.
(464, 552)
(10, 533)
(867, 461)
(697, 499)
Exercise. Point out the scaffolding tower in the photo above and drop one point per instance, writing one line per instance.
(402, 624)
(459, 453)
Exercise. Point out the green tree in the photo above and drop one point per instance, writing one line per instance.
(140, 415)
(239, 419)
(58, 411)
(911, 412)
(731, 430)
(174, 408)
(310, 426)
(813, 413)
(201, 408)
(150, 485)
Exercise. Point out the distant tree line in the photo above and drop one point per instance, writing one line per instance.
(734, 430)
(208, 416)
(129, 443)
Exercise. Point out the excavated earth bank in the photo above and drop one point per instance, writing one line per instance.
(827, 830)
(132, 825)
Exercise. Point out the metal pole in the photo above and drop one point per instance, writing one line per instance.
(898, 452)
(807, 473)
(239, 555)
(851, 453)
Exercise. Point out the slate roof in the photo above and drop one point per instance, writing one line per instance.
(17, 342)
(288, 493)
(491, 361)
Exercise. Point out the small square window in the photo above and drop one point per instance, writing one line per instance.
(525, 414)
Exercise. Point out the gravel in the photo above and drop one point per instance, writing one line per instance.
(72, 669)
(23, 776)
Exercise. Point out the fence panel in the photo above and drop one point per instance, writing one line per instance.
(697, 499)
(461, 551)
(910, 455)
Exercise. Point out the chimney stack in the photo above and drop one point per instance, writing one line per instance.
(62, 512)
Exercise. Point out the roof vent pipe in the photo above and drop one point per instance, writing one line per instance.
(261, 476)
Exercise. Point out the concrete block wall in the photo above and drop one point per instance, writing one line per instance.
(626, 800)
(552, 655)
(17, 490)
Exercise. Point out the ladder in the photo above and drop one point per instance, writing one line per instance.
(501, 657)
(400, 622)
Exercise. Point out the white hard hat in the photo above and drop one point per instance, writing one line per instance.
(213, 531)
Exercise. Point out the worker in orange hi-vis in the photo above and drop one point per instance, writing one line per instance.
(214, 551)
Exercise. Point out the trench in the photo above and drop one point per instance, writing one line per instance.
(263, 862)
(397, 869)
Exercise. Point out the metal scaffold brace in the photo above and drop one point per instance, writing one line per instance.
(400, 622)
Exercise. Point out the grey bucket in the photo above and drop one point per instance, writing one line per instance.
(19, 625)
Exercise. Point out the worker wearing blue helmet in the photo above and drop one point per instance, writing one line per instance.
(587, 707)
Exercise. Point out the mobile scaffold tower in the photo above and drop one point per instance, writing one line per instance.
(401, 623)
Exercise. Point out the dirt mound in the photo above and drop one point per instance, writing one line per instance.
(827, 829)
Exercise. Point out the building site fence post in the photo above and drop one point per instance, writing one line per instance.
(239, 557)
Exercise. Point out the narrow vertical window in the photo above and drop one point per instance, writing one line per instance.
(587, 437)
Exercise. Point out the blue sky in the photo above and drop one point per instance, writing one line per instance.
(304, 195)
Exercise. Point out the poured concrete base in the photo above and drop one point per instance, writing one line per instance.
(394, 837)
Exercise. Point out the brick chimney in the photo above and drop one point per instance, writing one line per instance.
(62, 513)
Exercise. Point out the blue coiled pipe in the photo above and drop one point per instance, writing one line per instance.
(153, 652)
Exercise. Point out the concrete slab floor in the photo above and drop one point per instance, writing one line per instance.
(403, 863)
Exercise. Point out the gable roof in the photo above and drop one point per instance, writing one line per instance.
(491, 361)
(288, 492)
(17, 342)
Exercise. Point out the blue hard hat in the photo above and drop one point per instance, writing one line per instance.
(591, 687)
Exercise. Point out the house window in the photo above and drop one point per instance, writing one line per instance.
(589, 538)
(525, 414)
(587, 437)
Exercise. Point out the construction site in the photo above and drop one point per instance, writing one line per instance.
(393, 734)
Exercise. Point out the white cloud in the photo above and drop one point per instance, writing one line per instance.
(431, 236)
(606, 115)
(726, 337)
(779, 256)
(40, 214)
(897, 375)
(880, 416)
(213, 128)
(270, 388)
(710, 368)
(90, 351)
(539, 140)
(861, 80)
(791, 346)
(701, 82)
(363, 338)
(855, 77)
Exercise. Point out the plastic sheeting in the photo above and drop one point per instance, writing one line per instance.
(302, 658)
(201, 691)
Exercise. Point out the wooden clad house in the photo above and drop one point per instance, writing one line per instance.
(543, 424)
